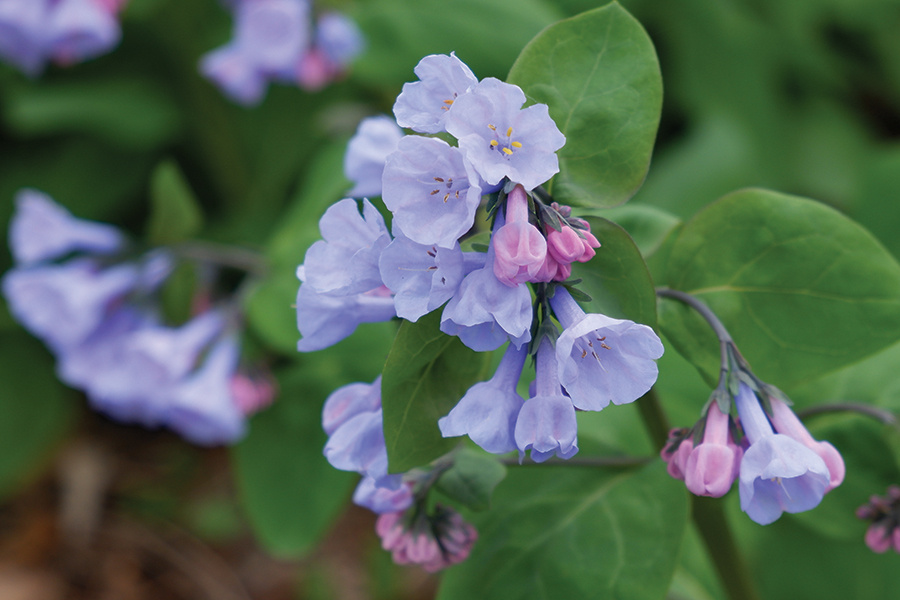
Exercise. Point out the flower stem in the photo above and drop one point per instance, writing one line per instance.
(716, 534)
(879, 414)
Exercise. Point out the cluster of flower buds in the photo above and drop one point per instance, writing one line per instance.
(884, 513)
(761, 442)
(434, 539)
(76, 287)
(276, 40)
(35, 32)
(361, 273)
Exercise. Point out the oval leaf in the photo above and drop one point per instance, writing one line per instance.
(599, 74)
(566, 533)
(426, 374)
(802, 289)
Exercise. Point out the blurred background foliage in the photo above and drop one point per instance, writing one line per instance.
(802, 97)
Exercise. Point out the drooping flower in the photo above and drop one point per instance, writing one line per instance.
(884, 513)
(423, 105)
(601, 359)
(381, 496)
(676, 451)
(519, 247)
(488, 411)
(714, 463)
(546, 424)
(338, 39)
(501, 139)
(778, 474)
(367, 151)
(431, 190)
(433, 541)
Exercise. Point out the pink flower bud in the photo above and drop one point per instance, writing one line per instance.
(878, 538)
(565, 245)
(519, 247)
(713, 465)
(786, 422)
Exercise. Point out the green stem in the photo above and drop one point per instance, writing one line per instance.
(716, 534)
(655, 420)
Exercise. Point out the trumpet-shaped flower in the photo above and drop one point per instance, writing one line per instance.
(778, 474)
(488, 411)
(714, 464)
(423, 105)
(367, 151)
(520, 248)
(601, 359)
(501, 139)
(431, 190)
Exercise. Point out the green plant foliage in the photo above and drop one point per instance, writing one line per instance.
(35, 411)
(599, 75)
(569, 533)
(472, 479)
(802, 289)
(175, 215)
(426, 374)
(278, 461)
(617, 278)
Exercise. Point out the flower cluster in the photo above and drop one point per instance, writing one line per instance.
(779, 465)
(276, 40)
(97, 310)
(434, 539)
(35, 32)
(884, 513)
(360, 272)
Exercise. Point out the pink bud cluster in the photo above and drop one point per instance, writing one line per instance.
(524, 253)
(884, 512)
(434, 542)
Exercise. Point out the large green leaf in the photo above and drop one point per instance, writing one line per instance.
(175, 214)
(802, 289)
(426, 374)
(617, 278)
(572, 533)
(599, 75)
(35, 409)
(278, 461)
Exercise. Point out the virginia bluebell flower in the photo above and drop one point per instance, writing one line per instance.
(601, 359)
(520, 248)
(501, 139)
(778, 473)
(423, 105)
(367, 151)
(714, 463)
(488, 411)
(431, 190)
(434, 541)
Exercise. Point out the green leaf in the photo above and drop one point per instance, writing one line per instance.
(802, 289)
(472, 479)
(647, 225)
(35, 409)
(570, 533)
(289, 490)
(617, 278)
(175, 215)
(599, 75)
(427, 372)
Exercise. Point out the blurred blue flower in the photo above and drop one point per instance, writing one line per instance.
(367, 151)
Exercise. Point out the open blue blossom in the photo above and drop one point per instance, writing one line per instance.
(202, 408)
(42, 230)
(778, 473)
(485, 312)
(488, 411)
(339, 39)
(501, 139)
(601, 359)
(423, 105)
(367, 151)
(546, 424)
(431, 190)
(423, 277)
(386, 495)
(345, 261)
(348, 401)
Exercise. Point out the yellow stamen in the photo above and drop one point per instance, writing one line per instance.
(495, 143)
(448, 102)
(491, 127)
(509, 132)
(516, 144)
(508, 151)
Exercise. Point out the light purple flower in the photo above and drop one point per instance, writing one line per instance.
(778, 473)
(520, 248)
(324, 319)
(380, 496)
(485, 313)
(423, 105)
(423, 277)
(431, 190)
(601, 359)
(43, 230)
(501, 139)
(358, 445)
(348, 401)
(339, 39)
(235, 75)
(345, 262)
(63, 304)
(202, 408)
(546, 424)
(22, 34)
(80, 29)
(367, 152)
(714, 464)
(488, 411)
